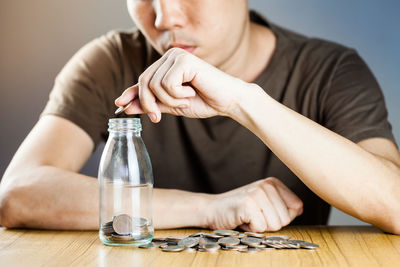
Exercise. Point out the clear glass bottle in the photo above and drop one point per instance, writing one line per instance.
(126, 186)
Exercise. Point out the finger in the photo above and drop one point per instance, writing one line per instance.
(270, 215)
(171, 110)
(277, 202)
(147, 98)
(184, 90)
(177, 80)
(134, 107)
(127, 96)
(161, 92)
(293, 202)
(130, 93)
(250, 215)
(257, 222)
(245, 227)
(148, 101)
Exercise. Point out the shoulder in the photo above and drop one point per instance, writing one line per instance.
(120, 39)
(312, 52)
(116, 57)
(115, 45)
(128, 43)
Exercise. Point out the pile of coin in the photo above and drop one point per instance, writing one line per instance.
(227, 240)
(120, 228)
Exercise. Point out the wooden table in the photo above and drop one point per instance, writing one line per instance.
(339, 246)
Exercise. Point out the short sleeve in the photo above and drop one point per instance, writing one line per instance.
(85, 89)
(354, 106)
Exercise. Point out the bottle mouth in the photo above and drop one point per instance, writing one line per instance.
(124, 124)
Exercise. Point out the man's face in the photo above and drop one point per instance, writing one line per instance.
(210, 29)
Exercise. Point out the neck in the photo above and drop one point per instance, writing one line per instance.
(252, 54)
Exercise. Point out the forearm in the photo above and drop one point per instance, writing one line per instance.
(339, 171)
(50, 198)
(177, 208)
(71, 201)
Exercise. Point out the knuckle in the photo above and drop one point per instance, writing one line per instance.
(142, 80)
(145, 97)
(175, 50)
(258, 191)
(269, 185)
(270, 180)
(255, 193)
(166, 83)
(181, 57)
(164, 96)
(145, 103)
(168, 53)
(300, 205)
(153, 84)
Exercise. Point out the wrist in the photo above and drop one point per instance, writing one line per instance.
(203, 210)
(248, 101)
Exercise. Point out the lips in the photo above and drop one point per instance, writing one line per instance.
(188, 48)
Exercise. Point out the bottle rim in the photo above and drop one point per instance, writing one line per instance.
(124, 124)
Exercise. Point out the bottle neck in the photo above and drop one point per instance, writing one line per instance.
(122, 126)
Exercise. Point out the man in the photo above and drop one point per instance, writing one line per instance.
(271, 127)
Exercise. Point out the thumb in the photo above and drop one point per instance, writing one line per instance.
(127, 96)
(245, 227)
(179, 111)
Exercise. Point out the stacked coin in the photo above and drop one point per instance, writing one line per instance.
(227, 240)
(120, 228)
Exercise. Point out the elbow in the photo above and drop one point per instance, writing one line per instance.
(8, 208)
(393, 228)
(393, 215)
(394, 225)
(390, 221)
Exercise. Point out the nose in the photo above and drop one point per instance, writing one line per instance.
(169, 14)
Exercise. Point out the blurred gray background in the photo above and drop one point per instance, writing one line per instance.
(38, 37)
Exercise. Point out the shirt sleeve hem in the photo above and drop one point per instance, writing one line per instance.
(371, 133)
(75, 120)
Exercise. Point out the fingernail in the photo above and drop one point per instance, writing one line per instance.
(119, 110)
(153, 116)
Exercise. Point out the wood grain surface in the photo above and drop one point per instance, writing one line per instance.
(339, 246)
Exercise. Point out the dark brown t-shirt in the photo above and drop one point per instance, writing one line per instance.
(324, 81)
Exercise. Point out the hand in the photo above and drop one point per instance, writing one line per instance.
(264, 205)
(182, 84)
